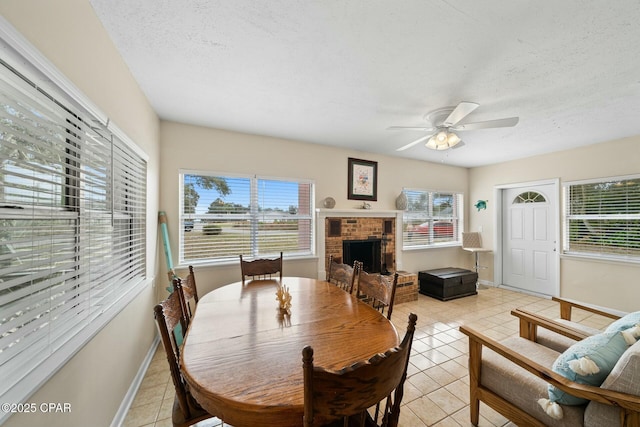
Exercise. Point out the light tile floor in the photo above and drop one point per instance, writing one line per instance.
(436, 391)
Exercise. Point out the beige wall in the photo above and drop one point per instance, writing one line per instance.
(199, 148)
(97, 378)
(599, 282)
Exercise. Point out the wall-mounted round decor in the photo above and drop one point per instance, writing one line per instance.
(329, 202)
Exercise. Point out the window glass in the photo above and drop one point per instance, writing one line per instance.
(72, 231)
(224, 216)
(432, 218)
(603, 218)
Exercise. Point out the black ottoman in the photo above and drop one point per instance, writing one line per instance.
(448, 283)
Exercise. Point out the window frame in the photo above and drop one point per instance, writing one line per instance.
(428, 216)
(567, 217)
(252, 216)
(28, 65)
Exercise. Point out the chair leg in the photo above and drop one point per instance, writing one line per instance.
(477, 268)
(475, 361)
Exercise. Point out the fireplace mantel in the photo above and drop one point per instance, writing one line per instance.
(323, 214)
(348, 213)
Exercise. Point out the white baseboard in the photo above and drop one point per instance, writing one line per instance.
(135, 385)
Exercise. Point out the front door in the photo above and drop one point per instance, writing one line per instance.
(529, 239)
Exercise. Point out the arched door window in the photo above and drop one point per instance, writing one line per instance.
(529, 197)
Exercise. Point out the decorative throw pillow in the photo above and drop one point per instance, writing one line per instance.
(625, 322)
(586, 362)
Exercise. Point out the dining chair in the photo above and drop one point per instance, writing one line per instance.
(348, 394)
(189, 294)
(261, 268)
(342, 275)
(377, 290)
(169, 316)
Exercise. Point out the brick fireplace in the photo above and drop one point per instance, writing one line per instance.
(335, 227)
(369, 240)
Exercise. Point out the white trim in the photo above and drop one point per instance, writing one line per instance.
(121, 414)
(34, 65)
(29, 61)
(598, 180)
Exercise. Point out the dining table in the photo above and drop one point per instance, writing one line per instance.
(242, 354)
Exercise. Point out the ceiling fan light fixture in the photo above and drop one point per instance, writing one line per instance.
(443, 140)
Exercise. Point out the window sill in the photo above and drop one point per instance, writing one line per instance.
(438, 246)
(236, 262)
(601, 258)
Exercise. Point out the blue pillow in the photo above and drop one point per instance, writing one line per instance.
(603, 349)
(625, 322)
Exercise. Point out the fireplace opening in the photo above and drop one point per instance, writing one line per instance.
(367, 251)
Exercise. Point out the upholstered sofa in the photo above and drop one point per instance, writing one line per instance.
(517, 375)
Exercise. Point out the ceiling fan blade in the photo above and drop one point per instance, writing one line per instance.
(411, 144)
(460, 112)
(498, 123)
(421, 128)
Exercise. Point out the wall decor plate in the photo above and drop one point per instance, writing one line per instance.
(329, 202)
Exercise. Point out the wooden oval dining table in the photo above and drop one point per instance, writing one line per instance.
(242, 356)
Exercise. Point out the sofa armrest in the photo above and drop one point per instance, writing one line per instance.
(567, 304)
(529, 323)
(477, 341)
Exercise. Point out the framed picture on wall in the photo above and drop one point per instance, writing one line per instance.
(363, 180)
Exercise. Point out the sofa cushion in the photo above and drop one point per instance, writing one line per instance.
(587, 362)
(625, 322)
(520, 387)
(625, 378)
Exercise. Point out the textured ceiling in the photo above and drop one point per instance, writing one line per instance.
(340, 72)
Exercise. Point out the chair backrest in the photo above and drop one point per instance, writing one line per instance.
(377, 290)
(261, 268)
(342, 275)
(189, 293)
(331, 395)
(169, 315)
(471, 239)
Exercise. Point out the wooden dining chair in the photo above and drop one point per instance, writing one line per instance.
(188, 294)
(342, 275)
(169, 316)
(377, 290)
(261, 268)
(346, 395)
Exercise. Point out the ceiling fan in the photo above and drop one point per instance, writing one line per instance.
(444, 122)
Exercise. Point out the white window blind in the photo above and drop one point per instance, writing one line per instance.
(432, 218)
(72, 227)
(602, 218)
(223, 216)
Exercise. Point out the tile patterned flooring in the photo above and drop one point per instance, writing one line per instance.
(436, 390)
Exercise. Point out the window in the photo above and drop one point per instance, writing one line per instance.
(432, 218)
(602, 218)
(72, 230)
(224, 216)
(529, 197)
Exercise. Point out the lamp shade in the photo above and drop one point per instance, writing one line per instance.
(443, 140)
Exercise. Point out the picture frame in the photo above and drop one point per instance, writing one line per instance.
(363, 180)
